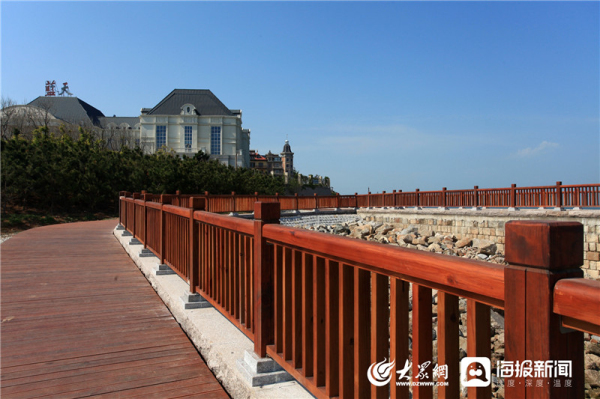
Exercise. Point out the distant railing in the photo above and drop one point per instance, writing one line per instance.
(556, 196)
(327, 307)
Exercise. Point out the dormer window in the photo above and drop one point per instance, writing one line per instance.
(188, 109)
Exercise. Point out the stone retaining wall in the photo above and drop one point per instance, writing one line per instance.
(488, 224)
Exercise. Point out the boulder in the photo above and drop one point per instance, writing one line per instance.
(386, 228)
(435, 248)
(485, 246)
(420, 241)
(464, 242)
(434, 240)
(408, 238)
(592, 362)
(592, 377)
(410, 229)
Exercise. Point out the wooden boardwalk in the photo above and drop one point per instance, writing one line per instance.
(80, 320)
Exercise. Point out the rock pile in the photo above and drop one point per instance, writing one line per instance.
(412, 237)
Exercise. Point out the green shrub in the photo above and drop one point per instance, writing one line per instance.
(57, 173)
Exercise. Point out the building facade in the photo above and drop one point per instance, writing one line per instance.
(275, 164)
(185, 122)
(188, 121)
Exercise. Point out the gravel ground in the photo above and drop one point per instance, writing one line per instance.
(5, 237)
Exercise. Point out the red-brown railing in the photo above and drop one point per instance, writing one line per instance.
(327, 307)
(557, 195)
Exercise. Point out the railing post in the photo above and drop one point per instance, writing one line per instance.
(164, 200)
(264, 213)
(194, 203)
(356, 200)
(443, 197)
(145, 198)
(233, 201)
(383, 196)
(539, 254)
(558, 202)
(418, 197)
(296, 197)
(513, 195)
(207, 206)
(394, 198)
(368, 199)
(476, 196)
(337, 200)
(316, 201)
(135, 196)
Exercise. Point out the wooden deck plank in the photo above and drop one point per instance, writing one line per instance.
(79, 319)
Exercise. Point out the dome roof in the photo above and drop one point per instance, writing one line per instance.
(286, 147)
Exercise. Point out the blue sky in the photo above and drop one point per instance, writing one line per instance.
(379, 95)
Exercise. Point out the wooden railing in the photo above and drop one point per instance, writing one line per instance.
(327, 307)
(558, 195)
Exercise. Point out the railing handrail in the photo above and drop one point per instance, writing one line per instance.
(576, 300)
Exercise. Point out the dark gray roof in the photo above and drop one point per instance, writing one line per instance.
(69, 109)
(205, 101)
(286, 147)
(117, 120)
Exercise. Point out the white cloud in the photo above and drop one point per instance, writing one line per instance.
(528, 152)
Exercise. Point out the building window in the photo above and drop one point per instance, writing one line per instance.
(215, 140)
(188, 138)
(161, 136)
(137, 142)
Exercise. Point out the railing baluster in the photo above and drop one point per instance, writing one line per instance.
(287, 304)
(380, 316)
(319, 304)
(346, 331)
(422, 339)
(399, 334)
(307, 343)
(296, 309)
(448, 344)
(362, 332)
(332, 328)
(478, 340)
(278, 295)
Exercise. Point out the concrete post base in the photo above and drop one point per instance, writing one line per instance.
(135, 241)
(194, 301)
(261, 371)
(126, 234)
(442, 208)
(233, 214)
(513, 209)
(146, 253)
(120, 227)
(163, 270)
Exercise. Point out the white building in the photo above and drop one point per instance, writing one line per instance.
(188, 121)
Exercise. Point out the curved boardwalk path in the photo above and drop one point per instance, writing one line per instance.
(80, 320)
